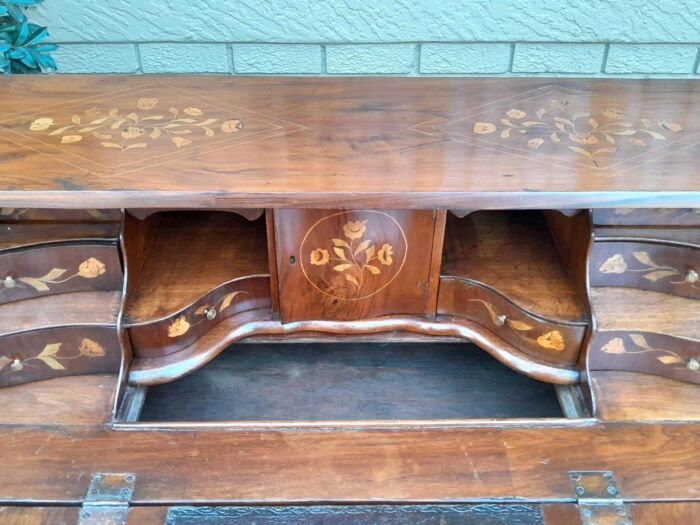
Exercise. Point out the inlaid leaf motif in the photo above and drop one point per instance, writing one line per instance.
(343, 267)
(519, 325)
(660, 274)
(644, 258)
(373, 269)
(48, 356)
(54, 274)
(340, 242)
(362, 246)
(37, 284)
(669, 359)
(4, 361)
(640, 341)
(340, 253)
(228, 299)
(351, 279)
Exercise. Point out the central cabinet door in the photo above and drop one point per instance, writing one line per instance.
(347, 265)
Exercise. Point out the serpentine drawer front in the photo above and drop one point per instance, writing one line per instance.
(348, 265)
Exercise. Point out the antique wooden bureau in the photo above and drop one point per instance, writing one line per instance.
(149, 223)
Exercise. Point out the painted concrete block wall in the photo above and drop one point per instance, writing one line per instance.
(592, 38)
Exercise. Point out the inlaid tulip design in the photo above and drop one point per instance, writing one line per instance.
(353, 256)
(50, 356)
(89, 269)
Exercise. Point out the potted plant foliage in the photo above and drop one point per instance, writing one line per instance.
(21, 43)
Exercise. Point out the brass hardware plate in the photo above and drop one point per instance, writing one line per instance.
(598, 498)
(107, 499)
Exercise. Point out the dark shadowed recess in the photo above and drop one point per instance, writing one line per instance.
(349, 381)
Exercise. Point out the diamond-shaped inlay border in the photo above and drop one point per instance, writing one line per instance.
(566, 128)
(128, 130)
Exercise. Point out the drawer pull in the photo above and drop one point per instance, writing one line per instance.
(500, 320)
(211, 313)
(9, 282)
(16, 365)
(693, 365)
(692, 276)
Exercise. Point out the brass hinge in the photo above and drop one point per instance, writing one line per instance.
(598, 498)
(107, 499)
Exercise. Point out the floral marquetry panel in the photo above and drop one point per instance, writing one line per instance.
(648, 266)
(54, 269)
(651, 353)
(564, 127)
(124, 131)
(58, 352)
(353, 264)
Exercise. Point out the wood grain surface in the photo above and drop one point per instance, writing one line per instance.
(650, 462)
(348, 142)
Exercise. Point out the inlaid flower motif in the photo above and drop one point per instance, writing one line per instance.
(484, 128)
(146, 103)
(178, 327)
(354, 259)
(385, 254)
(115, 130)
(41, 124)
(90, 348)
(553, 340)
(614, 346)
(516, 114)
(581, 132)
(614, 264)
(231, 126)
(133, 132)
(181, 141)
(91, 268)
(355, 229)
(319, 257)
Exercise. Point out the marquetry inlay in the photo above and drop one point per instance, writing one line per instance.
(564, 127)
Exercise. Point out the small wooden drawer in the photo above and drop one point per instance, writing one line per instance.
(651, 353)
(658, 267)
(54, 269)
(179, 330)
(58, 352)
(538, 337)
(647, 217)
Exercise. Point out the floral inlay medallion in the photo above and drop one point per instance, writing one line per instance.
(137, 129)
(206, 312)
(50, 356)
(566, 127)
(642, 346)
(649, 270)
(550, 340)
(357, 262)
(89, 269)
(584, 133)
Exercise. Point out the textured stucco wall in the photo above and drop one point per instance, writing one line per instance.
(397, 37)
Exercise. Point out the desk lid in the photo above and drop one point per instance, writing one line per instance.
(222, 141)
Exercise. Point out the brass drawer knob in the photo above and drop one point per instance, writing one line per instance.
(9, 282)
(694, 365)
(501, 320)
(211, 313)
(692, 276)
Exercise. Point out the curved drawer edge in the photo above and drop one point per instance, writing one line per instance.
(541, 338)
(645, 352)
(178, 330)
(151, 371)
